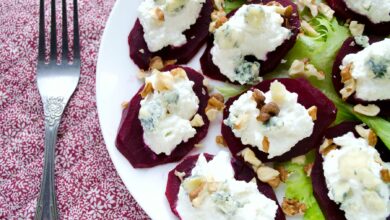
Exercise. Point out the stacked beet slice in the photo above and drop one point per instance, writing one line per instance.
(242, 172)
(273, 58)
(130, 140)
(196, 37)
(307, 96)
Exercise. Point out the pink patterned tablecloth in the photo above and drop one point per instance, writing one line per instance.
(88, 186)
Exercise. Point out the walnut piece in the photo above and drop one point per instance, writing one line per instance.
(220, 141)
(125, 104)
(327, 146)
(349, 88)
(369, 110)
(179, 73)
(148, 88)
(250, 157)
(265, 144)
(268, 175)
(292, 207)
(356, 29)
(367, 134)
(313, 112)
(197, 121)
(283, 173)
(385, 175)
(156, 63)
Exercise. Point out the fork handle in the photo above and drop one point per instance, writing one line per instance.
(47, 205)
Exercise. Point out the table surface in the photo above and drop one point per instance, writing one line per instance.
(87, 184)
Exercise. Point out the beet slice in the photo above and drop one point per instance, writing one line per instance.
(273, 58)
(130, 140)
(349, 47)
(196, 37)
(242, 172)
(342, 11)
(330, 209)
(307, 96)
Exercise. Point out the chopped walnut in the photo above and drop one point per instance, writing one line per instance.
(283, 173)
(197, 121)
(242, 120)
(125, 105)
(198, 145)
(206, 83)
(346, 73)
(313, 112)
(265, 144)
(367, 134)
(267, 111)
(259, 97)
(304, 68)
(169, 62)
(179, 73)
(164, 81)
(141, 74)
(180, 175)
(369, 110)
(156, 63)
(158, 15)
(194, 193)
(311, 4)
(349, 89)
(268, 175)
(385, 175)
(284, 11)
(308, 29)
(307, 168)
(215, 102)
(250, 157)
(219, 4)
(220, 141)
(212, 114)
(299, 159)
(327, 146)
(326, 10)
(292, 207)
(148, 88)
(218, 18)
(356, 29)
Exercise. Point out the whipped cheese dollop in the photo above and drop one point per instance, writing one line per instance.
(254, 30)
(376, 10)
(164, 21)
(371, 70)
(165, 115)
(220, 196)
(292, 124)
(352, 175)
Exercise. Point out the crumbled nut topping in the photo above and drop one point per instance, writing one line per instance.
(307, 168)
(369, 110)
(356, 29)
(266, 174)
(198, 145)
(180, 175)
(265, 144)
(292, 207)
(267, 111)
(367, 134)
(326, 10)
(259, 97)
(141, 74)
(327, 146)
(299, 159)
(169, 62)
(215, 102)
(346, 73)
(194, 193)
(250, 157)
(313, 112)
(164, 81)
(283, 173)
(179, 73)
(158, 14)
(156, 63)
(385, 175)
(308, 29)
(197, 121)
(206, 83)
(349, 89)
(274, 183)
(148, 88)
(212, 114)
(218, 18)
(219, 4)
(220, 141)
(125, 105)
(304, 68)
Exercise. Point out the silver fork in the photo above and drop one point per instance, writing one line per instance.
(56, 84)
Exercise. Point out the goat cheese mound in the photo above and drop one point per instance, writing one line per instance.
(254, 30)
(376, 10)
(164, 21)
(284, 131)
(165, 115)
(371, 70)
(220, 196)
(352, 175)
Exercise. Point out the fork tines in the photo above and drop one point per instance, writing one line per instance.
(53, 33)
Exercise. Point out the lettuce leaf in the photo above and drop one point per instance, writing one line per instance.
(229, 91)
(299, 187)
(230, 5)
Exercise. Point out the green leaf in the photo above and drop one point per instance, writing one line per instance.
(299, 187)
(230, 5)
(229, 90)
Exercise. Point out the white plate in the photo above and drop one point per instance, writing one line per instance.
(116, 82)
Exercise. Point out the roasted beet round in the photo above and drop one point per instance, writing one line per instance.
(307, 96)
(330, 209)
(130, 140)
(350, 47)
(196, 37)
(273, 58)
(242, 172)
(345, 13)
